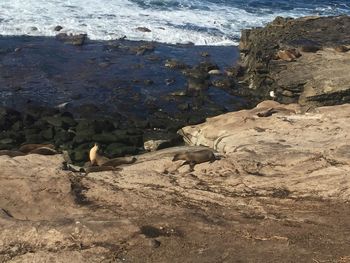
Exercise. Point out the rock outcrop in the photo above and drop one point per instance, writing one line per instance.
(302, 153)
(303, 60)
(280, 193)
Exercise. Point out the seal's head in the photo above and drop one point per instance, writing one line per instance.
(177, 157)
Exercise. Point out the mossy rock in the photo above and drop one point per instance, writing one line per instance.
(62, 136)
(118, 151)
(81, 138)
(6, 146)
(114, 149)
(48, 134)
(79, 155)
(31, 131)
(7, 141)
(34, 138)
(135, 140)
(17, 126)
(104, 138)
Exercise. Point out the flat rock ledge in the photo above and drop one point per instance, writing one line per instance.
(280, 193)
(303, 60)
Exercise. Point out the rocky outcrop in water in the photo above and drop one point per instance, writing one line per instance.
(303, 60)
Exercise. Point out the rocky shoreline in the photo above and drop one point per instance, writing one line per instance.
(128, 96)
(302, 60)
(279, 192)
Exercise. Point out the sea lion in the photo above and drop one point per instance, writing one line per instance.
(119, 161)
(196, 157)
(27, 148)
(95, 157)
(99, 160)
(43, 151)
(11, 153)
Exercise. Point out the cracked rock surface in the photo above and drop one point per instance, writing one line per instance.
(280, 193)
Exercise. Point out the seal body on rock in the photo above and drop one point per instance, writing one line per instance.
(27, 148)
(99, 160)
(196, 157)
(95, 157)
(43, 151)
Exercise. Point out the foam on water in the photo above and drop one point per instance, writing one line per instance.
(211, 22)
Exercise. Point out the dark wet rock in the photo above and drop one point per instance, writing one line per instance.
(36, 112)
(169, 82)
(143, 29)
(62, 136)
(118, 150)
(58, 28)
(226, 83)
(79, 155)
(148, 82)
(196, 86)
(297, 61)
(86, 110)
(140, 123)
(8, 118)
(48, 134)
(175, 64)
(7, 141)
(184, 106)
(104, 138)
(143, 49)
(207, 66)
(34, 138)
(76, 40)
(156, 140)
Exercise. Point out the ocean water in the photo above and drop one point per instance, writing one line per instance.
(202, 22)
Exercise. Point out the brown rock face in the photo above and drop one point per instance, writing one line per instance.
(317, 77)
(280, 193)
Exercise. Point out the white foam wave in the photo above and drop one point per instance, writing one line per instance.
(110, 19)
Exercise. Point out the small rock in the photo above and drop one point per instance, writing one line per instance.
(288, 55)
(143, 29)
(341, 49)
(310, 48)
(175, 64)
(154, 243)
(58, 28)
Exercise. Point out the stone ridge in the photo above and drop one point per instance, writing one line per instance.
(317, 76)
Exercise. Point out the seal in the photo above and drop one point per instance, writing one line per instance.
(95, 157)
(99, 160)
(27, 148)
(119, 161)
(11, 153)
(196, 157)
(43, 151)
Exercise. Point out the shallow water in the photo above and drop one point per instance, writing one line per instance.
(45, 71)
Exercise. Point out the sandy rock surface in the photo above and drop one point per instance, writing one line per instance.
(280, 193)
